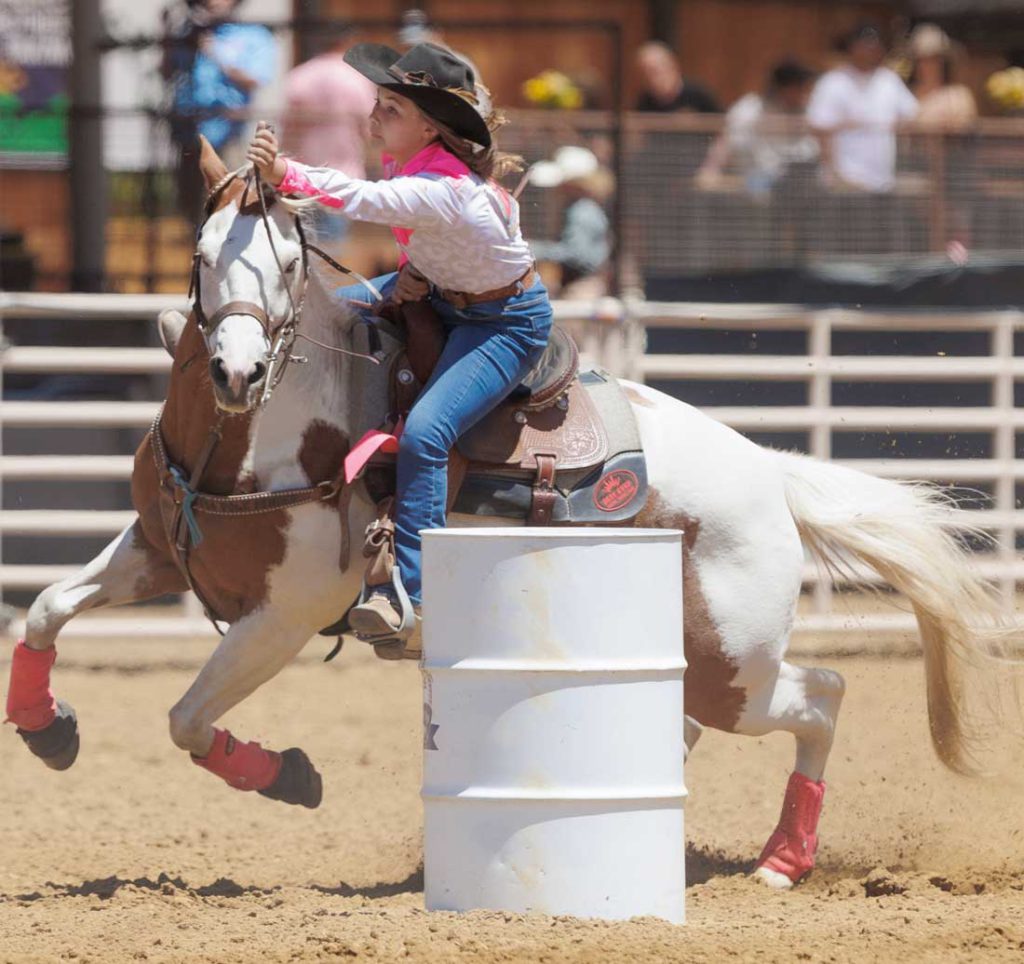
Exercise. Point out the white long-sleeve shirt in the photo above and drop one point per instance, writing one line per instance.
(458, 230)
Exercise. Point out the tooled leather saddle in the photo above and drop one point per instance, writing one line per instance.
(563, 448)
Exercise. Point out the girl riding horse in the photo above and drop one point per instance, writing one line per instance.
(460, 247)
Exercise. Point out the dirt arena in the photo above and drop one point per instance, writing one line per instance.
(136, 855)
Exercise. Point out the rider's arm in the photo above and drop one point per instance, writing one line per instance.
(402, 201)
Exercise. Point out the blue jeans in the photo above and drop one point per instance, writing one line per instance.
(490, 349)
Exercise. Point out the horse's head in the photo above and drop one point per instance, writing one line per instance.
(243, 294)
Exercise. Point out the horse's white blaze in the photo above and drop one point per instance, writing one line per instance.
(239, 265)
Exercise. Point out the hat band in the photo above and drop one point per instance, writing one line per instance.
(420, 78)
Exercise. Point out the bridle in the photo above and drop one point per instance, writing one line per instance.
(282, 335)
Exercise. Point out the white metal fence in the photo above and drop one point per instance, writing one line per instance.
(612, 333)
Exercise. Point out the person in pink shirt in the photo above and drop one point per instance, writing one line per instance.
(326, 120)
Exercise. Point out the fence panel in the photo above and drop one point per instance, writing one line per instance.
(612, 333)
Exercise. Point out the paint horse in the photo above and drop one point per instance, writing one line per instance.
(274, 550)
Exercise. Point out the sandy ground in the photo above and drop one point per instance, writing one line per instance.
(136, 855)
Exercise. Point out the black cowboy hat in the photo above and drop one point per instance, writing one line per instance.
(433, 78)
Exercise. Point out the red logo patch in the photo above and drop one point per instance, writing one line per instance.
(616, 489)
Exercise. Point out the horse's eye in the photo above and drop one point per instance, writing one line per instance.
(291, 267)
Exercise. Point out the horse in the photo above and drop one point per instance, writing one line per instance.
(273, 557)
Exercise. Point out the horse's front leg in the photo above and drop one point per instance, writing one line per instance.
(254, 650)
(128, 569)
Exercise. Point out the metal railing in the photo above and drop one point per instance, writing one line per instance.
(612, 334)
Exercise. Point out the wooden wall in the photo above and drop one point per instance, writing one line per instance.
(730, 45)
(727, 44)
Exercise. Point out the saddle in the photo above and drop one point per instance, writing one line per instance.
(562, 448)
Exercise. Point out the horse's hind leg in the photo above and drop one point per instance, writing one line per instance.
(254, 650)
(806, 703)
(126, 570)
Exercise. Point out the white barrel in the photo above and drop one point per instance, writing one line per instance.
(553, 721)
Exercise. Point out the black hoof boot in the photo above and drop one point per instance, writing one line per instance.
(298, 782)
(57, 745)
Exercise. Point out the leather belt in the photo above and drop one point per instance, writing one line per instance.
(463, 299)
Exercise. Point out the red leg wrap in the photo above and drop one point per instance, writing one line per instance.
(244, 766)
(30, 703)
(790, 850)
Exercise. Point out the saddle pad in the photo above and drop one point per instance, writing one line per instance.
(575, 434)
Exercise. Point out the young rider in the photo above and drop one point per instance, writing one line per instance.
(460, 246)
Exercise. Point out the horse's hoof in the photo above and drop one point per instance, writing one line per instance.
(298, 782)
(57, 744)
(774, 879)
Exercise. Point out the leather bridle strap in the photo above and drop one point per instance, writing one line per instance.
(238, 308)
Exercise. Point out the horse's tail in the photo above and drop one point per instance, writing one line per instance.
(908, 533)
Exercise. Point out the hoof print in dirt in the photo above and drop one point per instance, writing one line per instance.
(298, 782)
(56, 745)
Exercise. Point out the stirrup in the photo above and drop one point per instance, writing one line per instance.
(404, 608)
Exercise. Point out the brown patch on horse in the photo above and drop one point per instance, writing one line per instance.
(709, 696)
(232, 565)
(323, 451)
(637, 399)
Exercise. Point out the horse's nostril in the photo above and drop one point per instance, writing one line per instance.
(257, 373)
(218, 372)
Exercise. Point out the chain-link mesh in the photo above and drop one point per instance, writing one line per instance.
(957, 196)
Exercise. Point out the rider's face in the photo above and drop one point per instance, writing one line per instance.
(398, 126)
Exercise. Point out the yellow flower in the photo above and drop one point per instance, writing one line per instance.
(1006, 88)
(552, 88)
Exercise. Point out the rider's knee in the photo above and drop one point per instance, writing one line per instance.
(423, 441)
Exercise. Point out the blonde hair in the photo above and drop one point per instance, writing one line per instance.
(486, 162)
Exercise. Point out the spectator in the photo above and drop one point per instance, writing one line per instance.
(584, 247)
(943, 106)
(664, 87)
(327, 118)
(764, 133)
(855, 110)
(215, 66)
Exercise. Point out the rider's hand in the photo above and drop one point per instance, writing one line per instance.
(263, 153)
(410, 286)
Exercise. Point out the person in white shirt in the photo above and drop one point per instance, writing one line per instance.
(856, 110)
(461, 248)
(764, 132)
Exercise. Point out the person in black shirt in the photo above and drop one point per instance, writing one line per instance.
(664, 87)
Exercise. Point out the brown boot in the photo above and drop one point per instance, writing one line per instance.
(411, 648)
(379, 616)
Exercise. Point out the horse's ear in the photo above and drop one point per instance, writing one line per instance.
(213, 168)
(171, 323)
